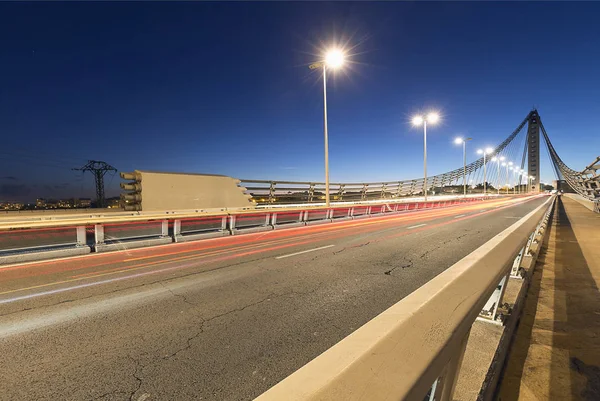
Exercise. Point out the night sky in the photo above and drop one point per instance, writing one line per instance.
(225, 88)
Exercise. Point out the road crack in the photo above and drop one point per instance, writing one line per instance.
(180, 296)
(404, 266)
(137, 377)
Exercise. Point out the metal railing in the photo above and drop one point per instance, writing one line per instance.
(265, 192)
(585, 183)
(101, 233)
(414, 349)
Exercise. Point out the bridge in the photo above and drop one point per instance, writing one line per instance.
(380, 295)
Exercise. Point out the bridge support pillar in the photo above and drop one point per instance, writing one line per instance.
(533, 147)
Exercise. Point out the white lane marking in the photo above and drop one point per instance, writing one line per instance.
(301, 252)
(484, 210)
(418, 225)
(460, 215)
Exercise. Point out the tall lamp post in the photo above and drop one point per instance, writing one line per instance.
(498, 160)
(508, 167)
(458, 141)
(485, 152)
(333, 59)
(418, 120)
(514, 179)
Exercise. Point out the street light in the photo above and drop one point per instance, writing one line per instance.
(485, 152)
(334, 58)
(508, 167)
(417, 120)
(458, 141)
(498, 160)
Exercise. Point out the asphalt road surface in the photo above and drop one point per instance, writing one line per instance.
(220, 319)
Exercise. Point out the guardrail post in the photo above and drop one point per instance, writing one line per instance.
(516, 267)
(267, 218)
(164, 228)
(489, 313)
(274, 219)
(368, 211)
(98, 234)
(176, 229)
(351, 212)
(445, 385)
(231, 223)
(81, 238)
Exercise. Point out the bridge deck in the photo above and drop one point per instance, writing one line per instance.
(556, 351)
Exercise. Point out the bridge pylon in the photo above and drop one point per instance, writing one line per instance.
(533, 154)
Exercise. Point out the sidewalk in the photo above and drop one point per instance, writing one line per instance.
(555, 354)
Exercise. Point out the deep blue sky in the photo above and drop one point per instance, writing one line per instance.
(224, 88)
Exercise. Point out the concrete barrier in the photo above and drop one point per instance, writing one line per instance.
(415, 347)
(593, 206)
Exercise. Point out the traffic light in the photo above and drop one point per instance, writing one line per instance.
(132, 200)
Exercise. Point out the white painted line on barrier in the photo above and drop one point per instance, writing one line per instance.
(301, 252)
(418, 225)
(460, 215)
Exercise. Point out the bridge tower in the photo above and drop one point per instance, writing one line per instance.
(533, 154)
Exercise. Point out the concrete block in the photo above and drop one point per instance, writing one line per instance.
(117, 246)
(342, 218)
(44, 255)
(313, 222)
(200, 236)
(288, 225)
(238, 231)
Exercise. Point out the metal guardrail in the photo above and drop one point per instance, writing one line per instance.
(414, 349)
(104, 233)
(18, 222)
(293, 192)
(268, 192)
(585, 183)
